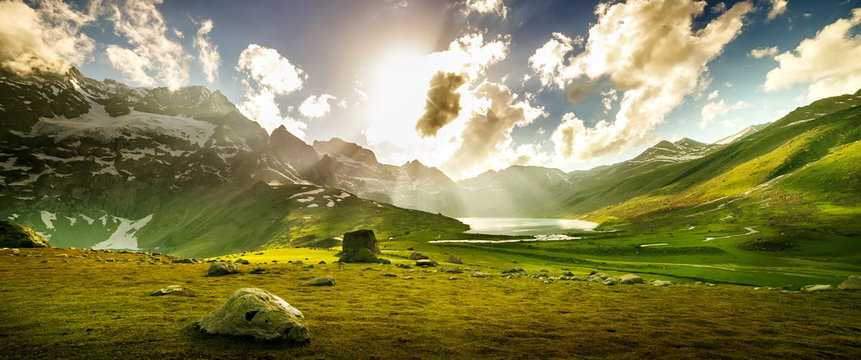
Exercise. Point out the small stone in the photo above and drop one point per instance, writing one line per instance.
(321, 281)
(660, 283)
(568, 273)
(453, 278)
(852, 283)
(418, 256)
(630, 279)
(390, 275)
(222, 268)
(321, 262)
(482, 275)
(170, 289)
(426, 263)
(407, 278)
(258, 271)
(454, 260)
(403, 266)
(242, 262)
(296, 262)
(815, 288)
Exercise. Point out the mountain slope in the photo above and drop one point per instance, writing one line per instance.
(99, 164)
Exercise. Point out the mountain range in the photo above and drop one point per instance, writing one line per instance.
(100, 164)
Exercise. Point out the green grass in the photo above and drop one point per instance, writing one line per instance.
(86, 309)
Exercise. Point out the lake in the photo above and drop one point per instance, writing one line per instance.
(526, 226)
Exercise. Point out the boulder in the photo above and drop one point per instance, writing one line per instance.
(454, 260)
(426, 263)
(321, 281)
(222, 268)
(258, 271)
(660, 283)
(610, 281)
(568, 273)
(852, 283)
(390, 275)
(361, 239)
(14, 235)
(257, 313)
(418, 256)
(514, 270)
(242, 262)
(482, 275)
(170, 289)
(630, 279)
(359, 256)
(815, 288)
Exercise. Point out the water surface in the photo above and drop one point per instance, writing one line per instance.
(526, 226)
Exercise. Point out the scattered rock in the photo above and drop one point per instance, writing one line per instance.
(259, 314)
(321, 281)
(630, 279)
(483, 275)
(418, 256)
(814, 288)
(258, 271)
(62, 255)
(241, 262)
(321, 262)
(568, 273)
(403, 266)
(852, 283)
(514, 270)
(222, 268)
(454, 270)
(170, 289)
(14, 235)
(407, 278)
(610, 281)
(660, 283)
(296, 262)
(390, 275)
(453, 278)
(426, 263)
(309, 266)
(183, 261)
(454, 260)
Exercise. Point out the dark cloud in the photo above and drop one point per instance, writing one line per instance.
(443, 103)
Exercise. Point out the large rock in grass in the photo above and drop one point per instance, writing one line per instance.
(14, 235)
(852, 283)
(630, 279)
(815, 288)
(321, 281)
(257, 313)
(222, 268)
(360, 246)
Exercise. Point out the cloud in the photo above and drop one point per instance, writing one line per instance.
(651, 54)
(548, 60)
(486, 139)
(267, 74)
(827, 63)
(714, 109)
(486, 7)
(777, 7)
(316, 106)
(207, 53)
(46, 38)
(713, 95)
(443, 103)
(764, 52)
(153, 59)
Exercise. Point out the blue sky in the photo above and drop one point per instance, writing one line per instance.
(371, 62)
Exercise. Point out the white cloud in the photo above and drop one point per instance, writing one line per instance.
(827, 63)
(764, 52)
(486, 7)
(713, 110)
(153, 59)
(486, 140)
(316, 106)
(267, 74)
(713, 95)
(46, 39)
(548, 60)
(777, 7)
(650, 53)
(208, 55)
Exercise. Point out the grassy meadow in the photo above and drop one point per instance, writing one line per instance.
(84, 308)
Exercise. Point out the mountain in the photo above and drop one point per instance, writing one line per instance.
(741, 134)
(517, 191)
(99, 164)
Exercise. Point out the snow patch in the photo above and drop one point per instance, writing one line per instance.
(48, 219)
(124, 237)
(304, 200)
(311, 192)
(313, 205)
(330, 203)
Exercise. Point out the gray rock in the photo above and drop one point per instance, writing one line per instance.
(610, 281)
(426, 263)
(660, 283)
(321, 281)
(418, 256)
(454, 270)
(170, 289)
(258, 271)
(483, 275)
(852, 283)
(296, 262)
(242, 262)
(630, 279)
(221, 269)
(513, 271)
(14, 235)
(403, 266)
(453, 278)
(407, 278)
(454, 260)
(568, 273)
(815, 288)
(259, 314)
(390, 275)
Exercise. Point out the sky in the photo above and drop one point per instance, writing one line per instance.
(465, 85)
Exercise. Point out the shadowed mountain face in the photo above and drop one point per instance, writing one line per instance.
(100, 164)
